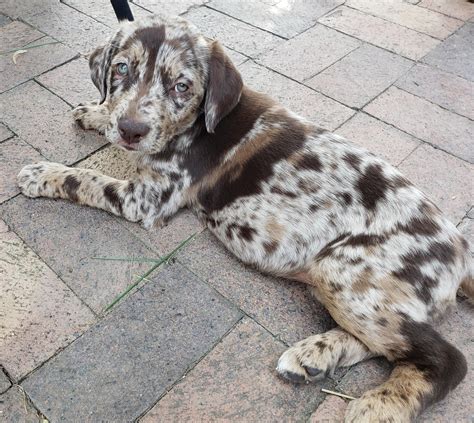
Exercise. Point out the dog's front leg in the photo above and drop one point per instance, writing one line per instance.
(137, 200)
(92, 115)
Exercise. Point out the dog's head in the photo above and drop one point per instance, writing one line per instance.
(158, 75)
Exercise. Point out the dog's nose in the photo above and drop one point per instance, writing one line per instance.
(132, 130)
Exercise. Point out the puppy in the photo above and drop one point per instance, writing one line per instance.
(285, 196)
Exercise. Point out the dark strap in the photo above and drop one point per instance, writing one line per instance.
(122, 10)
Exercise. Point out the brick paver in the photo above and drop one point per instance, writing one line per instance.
(121, 367)
(39, 314)
(176, 348)
(425, 120)
(360, 76)
(237, 382)
(45, 122)
(281, 18)
(382, 33)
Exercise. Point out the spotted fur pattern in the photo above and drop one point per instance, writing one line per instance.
(285, 196)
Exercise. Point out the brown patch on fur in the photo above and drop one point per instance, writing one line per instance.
(70, 186)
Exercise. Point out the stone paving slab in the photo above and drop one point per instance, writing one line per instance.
(444, 178)
(456, 54)
(459, 9)
(14, 154)
(4, 382)
(4, 20)
(418, 18)
(39, 313)
(396, 38)
(467, 229)
(46, 123)
(102, 11)
(16, 34)
(319, 109)
(379, 138)
(360, 76)
(237, 35)
(332, 409)
(46, 54)
(445, 89)
(286, 19)
(66, 236)
(172, 7)
(237, 382)
(20, 9)
(15, 407)
(295, 58)
(71, 82)
(425, 120)
(5, 133)
(119, 368)
(283, 307)
(76, 30)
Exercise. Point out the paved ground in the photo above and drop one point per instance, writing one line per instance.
(199, 341)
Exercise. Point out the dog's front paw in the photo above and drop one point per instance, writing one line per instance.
(37, 180)
(91, 115)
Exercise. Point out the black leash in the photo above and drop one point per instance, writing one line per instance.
(122, 10)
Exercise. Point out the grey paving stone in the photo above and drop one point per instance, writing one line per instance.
(17, 34)
(410, 16)
(361, 75)
(71, 82)
(460, 9)
(281, 18)
(102, 11)
(379, 138)
(444, 178)
(425, 120)
(46, 54)
(4, 382)
(319, 109)
(14, 154)
(45, 122)
(172, 7)
(39, 313)
(445, 89)
(283, 307)
(15, 407)
(78, 31)
(119, 368)
(467, 229)
(66, 236)
(309, 53)
(332, 409)
(456, 54)
(393, 37)
(19, 9)
(5, 133)
(4, 20)
(234, 34)
(237, 381)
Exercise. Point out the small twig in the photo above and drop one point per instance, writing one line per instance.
(139, 259)
(143, 277)
(338, 394)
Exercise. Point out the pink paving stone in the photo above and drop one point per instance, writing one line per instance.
(379, 138)
(382, 33)
(296, 58)
(331, 410)
(360, 76)
(46, 123)
(39, 313)
(14, 154)
(71, 82)
(408, 15)
(425, 120)
(47, 54)
(460, 9)
(320, 109)
(237, 381)
(444, 178)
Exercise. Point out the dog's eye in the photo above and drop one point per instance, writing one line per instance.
(181, 88)
(122, 69)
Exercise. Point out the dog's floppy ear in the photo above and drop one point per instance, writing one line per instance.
(224, 87)
(99, 63)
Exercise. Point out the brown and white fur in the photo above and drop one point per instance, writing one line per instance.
(283, 195)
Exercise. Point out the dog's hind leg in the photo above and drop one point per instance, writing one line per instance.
(319, 355)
